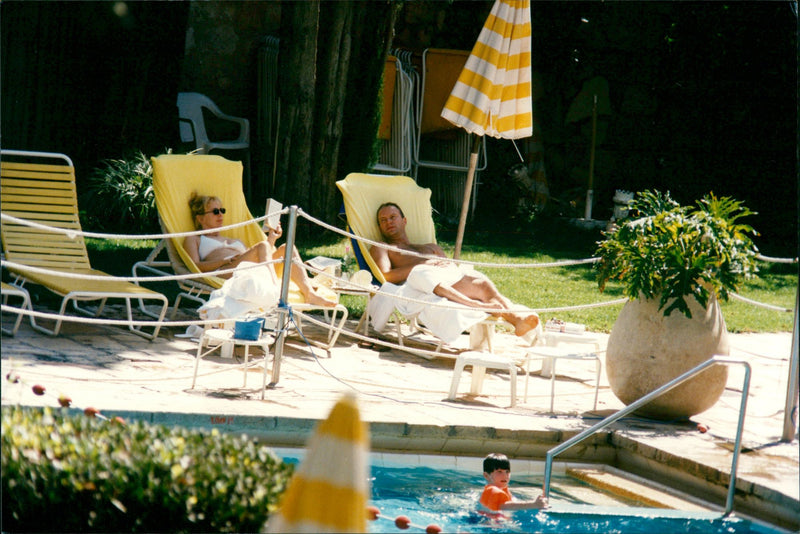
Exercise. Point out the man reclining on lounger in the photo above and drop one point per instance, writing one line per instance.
(441, 277)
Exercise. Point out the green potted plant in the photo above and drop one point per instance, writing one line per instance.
(675, 263)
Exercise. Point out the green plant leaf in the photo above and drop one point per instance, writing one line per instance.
(675, 252)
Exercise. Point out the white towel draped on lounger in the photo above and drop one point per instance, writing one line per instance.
(445, 323)
(249, 290)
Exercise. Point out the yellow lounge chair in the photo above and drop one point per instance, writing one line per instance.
(363, 194)
(40, 187)
(175, 177)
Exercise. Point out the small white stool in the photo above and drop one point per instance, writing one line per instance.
(550, 355)
(216, 338)
(480, 361)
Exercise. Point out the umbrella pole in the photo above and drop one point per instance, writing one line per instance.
(462, 222)
(590, 191)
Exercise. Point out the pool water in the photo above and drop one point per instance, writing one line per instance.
(448, 498)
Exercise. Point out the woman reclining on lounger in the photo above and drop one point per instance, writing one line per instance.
(212, 252)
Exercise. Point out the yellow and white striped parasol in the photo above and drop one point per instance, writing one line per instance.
(493, 93)
(330, 489)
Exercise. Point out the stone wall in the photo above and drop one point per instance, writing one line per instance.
(222, 41)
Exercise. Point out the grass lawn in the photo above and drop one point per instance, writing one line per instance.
(568, 286)
(538, 288)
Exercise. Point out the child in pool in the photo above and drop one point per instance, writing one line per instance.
(496, 496)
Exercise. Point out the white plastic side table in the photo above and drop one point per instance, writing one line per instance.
(550, 355)
(216, 338)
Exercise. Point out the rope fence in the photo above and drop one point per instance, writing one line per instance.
(392, 248)
(73, 234)
(338, 282)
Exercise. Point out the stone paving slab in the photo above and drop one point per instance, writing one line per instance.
(404, 397)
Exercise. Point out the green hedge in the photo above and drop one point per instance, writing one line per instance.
(66, 472)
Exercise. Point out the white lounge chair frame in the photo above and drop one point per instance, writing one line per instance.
(45, 192)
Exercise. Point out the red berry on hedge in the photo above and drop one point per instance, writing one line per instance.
(38, 389)
(402, 522)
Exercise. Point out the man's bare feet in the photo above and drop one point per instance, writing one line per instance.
(526, 324)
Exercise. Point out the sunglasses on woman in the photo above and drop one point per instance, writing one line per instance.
(215, 211)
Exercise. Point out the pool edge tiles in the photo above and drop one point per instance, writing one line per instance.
(477, 441)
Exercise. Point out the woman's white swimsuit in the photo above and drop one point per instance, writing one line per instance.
(209, 244)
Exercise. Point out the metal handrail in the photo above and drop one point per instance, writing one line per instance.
(714, 360)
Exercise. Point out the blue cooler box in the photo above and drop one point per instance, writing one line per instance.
(248, 329)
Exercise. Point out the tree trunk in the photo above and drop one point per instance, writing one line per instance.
(333, 62)
(298, 54)
(330, 96)
(373, 26)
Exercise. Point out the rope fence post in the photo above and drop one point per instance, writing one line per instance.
(283, 307)
(790, 409)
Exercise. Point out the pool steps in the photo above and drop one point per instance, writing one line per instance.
(635, 489)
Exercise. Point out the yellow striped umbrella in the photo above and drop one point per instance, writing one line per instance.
(493, 93)
(330, 489)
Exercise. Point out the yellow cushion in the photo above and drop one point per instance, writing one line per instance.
(176, 176)
(364, 193)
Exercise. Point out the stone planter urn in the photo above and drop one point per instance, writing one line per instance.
(647, 349)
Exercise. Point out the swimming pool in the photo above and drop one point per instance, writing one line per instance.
(444, 491)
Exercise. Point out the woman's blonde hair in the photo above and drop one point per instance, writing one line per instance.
(199, 206)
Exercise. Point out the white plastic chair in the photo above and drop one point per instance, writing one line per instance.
(192, 127)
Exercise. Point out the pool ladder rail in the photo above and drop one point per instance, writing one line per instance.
(714, 360)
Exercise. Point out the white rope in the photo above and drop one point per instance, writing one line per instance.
(377, 341)
(114, 322)
(381, 244)
(775, 260)
(342, 282)
(455, 306)
(583, 306)
(24, 268)
(72, 234)
(760, 304)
